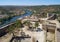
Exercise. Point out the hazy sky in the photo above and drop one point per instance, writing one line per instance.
(29, 2)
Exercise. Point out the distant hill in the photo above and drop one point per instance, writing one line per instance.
(41, 8)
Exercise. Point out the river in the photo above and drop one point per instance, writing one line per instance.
(15, 18)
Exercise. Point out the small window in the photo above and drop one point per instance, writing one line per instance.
(58, 29)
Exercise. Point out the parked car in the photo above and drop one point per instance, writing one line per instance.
(38, 29)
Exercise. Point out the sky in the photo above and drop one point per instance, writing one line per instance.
(29, 2)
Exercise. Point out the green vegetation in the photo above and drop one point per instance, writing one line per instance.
(17, 25)
(36, 24)
(57, 12)
(11, 28)
(39, 10)
(2, 20)
(12, 11)
(27, 23)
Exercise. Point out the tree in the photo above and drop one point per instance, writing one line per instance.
(10, 29)
(27, 23)
(14, 27)
(36, 24)
(18, 24)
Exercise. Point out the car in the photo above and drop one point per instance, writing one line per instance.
(38, 29)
